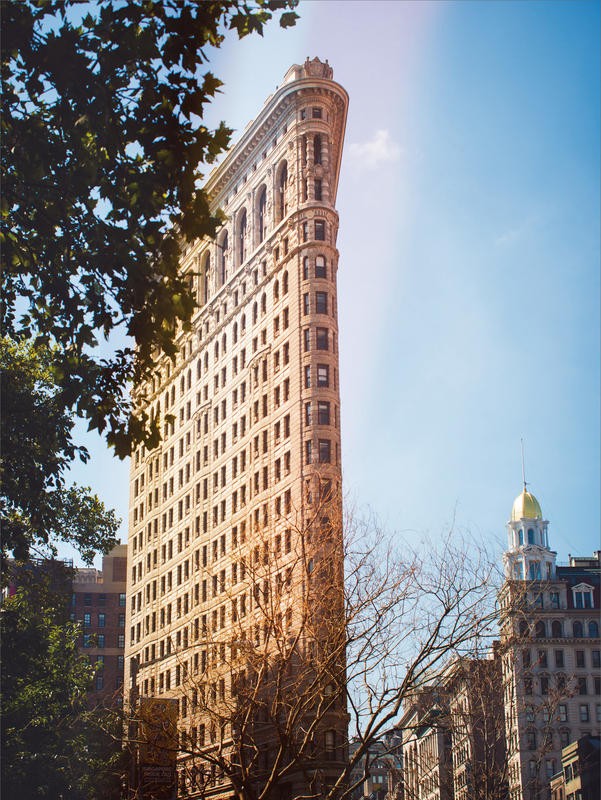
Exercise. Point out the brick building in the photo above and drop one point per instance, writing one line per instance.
(98, 604)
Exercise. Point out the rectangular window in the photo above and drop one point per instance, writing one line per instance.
(122, 599)
(306, 307)
(101, 620)
(323, 376)
(559, 660)
(321, 302)
(100, 640)
(121, 640)
(325, 451)
(596, 658)
(308, 447)
(582, 685)
(307, 413)
(320, 267)
(562, 712)
(580, 658)
(322, 339)
(316, 112)
(87, 619)
(318, 189)
(584, 712)
(308, 376)
(307, 339)
(554, 599)
(323, 413)
(320, 230)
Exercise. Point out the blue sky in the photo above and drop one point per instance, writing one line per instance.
(469, 256)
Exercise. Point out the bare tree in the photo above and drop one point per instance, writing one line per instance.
(299, 658)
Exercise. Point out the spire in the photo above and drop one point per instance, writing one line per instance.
(523, 467)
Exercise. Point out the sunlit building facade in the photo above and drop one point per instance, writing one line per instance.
(235, 513)
(551, 651)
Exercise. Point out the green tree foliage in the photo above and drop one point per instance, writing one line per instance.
(102, 130)
(103, 136)
(51, 745)
(37, 507)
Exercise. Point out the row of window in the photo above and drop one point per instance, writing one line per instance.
(542, 660)
(562, 684)
(560, 714)
(89, 598)
(101, 619)
(99, 640)
(541, 629)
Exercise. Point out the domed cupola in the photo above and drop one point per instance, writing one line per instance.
(528, 556)
(526, 506)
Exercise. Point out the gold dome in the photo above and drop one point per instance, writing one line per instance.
(526, 506)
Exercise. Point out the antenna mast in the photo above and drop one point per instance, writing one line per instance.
(523, 466)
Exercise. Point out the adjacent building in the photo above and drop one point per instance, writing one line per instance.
(551, 651)
(98, 604)
(580, 775)
(497, 727)
(453, 734)
(235, 559)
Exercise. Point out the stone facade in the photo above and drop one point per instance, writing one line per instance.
(235, 538)
(551, 669)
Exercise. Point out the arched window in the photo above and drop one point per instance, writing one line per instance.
(243, 323)
(189, 379)
(198, 369)
(224, 344)
(262, 213)
(523, 628)
(317, 149)
(276, 291)
(223, 252)
(206, 361)
(205, 278)
(530, 536)
(285, 283)
(242, 237)
(521, 536)
(539, 630)
(578, 631)
(282, 206)
(235, 332)
(263, 304)
(182, 385)
(556, 631)
(593, 630)
(255, 310)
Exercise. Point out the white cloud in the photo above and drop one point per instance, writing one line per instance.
(378, 150)
(511, 236)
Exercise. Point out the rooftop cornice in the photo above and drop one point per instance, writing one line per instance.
(274, 109)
